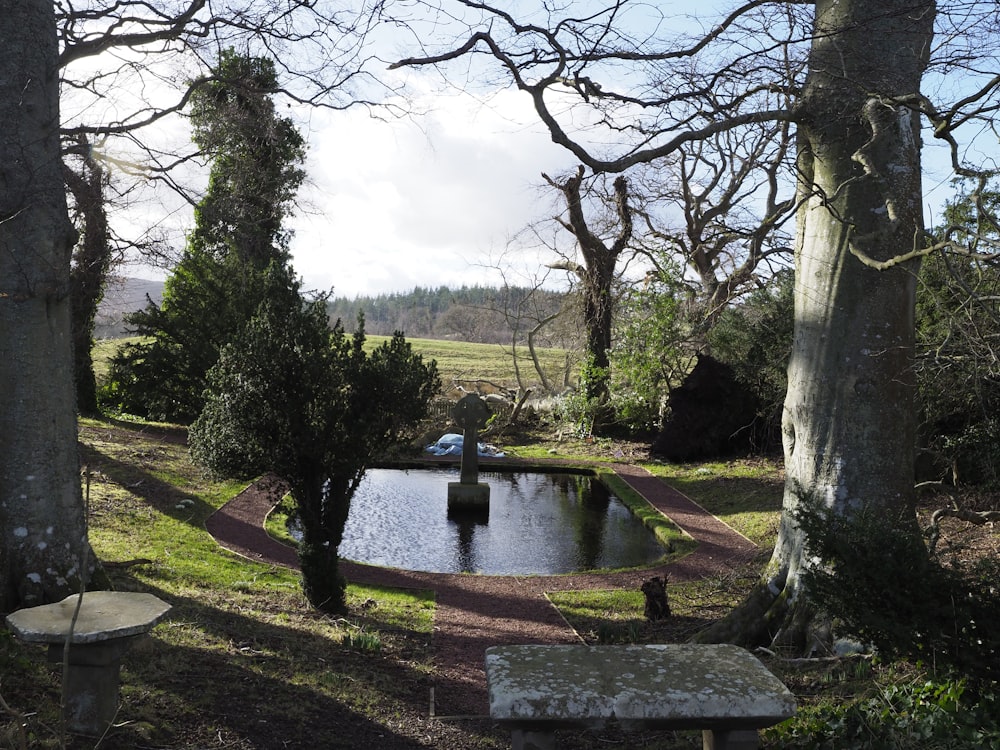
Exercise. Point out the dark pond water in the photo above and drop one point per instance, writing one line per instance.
(537, 523)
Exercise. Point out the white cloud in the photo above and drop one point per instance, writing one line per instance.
(425, 202)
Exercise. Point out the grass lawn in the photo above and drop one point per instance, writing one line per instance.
(458, 362)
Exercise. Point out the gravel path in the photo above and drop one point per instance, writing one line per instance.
(476, 611)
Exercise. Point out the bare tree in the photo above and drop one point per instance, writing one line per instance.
(527, 311)
(734, 195)
(855, 108)
(718, 207)
(596, 277)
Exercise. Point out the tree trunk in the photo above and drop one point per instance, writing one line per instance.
(597, 316)
(91, 262)
(849, 423)
(597, 277)
(323, 507)
(42, 520)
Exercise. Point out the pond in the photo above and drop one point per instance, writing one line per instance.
(537, 523)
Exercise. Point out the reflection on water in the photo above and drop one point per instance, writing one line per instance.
(536, 523)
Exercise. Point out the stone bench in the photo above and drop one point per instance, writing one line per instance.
(722, 690)
(108, 623)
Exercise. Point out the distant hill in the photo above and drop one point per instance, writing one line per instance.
(123, 296)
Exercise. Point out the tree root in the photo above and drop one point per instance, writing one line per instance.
(956, 511)
(774, 617)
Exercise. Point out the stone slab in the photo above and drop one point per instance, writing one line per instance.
(676, 686)
(104, 615)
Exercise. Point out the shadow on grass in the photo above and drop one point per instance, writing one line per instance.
(258, 684)
(160, 495)
(722, 495)
(163, 432)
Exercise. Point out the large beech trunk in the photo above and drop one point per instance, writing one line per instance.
(849, 422)
(43, 534)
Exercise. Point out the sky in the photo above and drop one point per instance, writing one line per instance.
(446, 198)
(443, 198)
(390, 205)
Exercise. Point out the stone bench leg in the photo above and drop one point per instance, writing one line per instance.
(91, 689)
(736, 739)
(524, 740)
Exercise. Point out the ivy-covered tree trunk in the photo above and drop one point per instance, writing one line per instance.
(91, 261)
(598, 309)
(596, 276)
(43, 535)
(849, 421)
(216, 287)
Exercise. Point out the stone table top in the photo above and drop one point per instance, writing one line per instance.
(104, 615)
(649, 686)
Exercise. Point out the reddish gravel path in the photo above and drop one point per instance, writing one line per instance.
(474, 611)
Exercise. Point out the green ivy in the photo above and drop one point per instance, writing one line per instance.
(929, 715)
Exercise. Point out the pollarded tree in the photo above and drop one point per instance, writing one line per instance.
(596, 276)
(293, 396)
(256, 157)
(710, 223)
(849, 422)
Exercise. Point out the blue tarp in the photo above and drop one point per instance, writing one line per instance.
(450, 444)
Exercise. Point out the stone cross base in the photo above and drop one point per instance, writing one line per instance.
(468, 496)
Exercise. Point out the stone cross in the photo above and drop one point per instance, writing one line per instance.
(470, 413)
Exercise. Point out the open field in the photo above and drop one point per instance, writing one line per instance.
(459, 362)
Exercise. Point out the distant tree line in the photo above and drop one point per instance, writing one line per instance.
(477, 314)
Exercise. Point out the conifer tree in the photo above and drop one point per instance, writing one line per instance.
(293, 396)
(215, 289)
